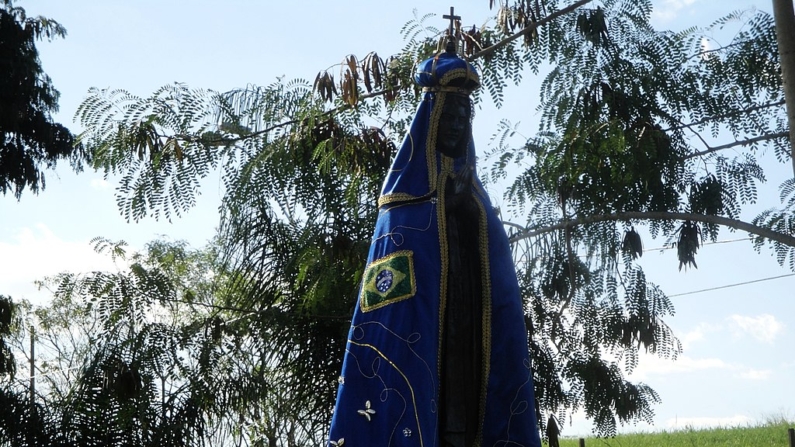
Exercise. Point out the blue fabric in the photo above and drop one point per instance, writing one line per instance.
(389, 385)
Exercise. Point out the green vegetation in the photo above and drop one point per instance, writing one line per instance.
(770, 433)
(30, 141)
(242, 342)
(626, 114)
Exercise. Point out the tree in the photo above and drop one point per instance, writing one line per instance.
(624, 110)
(149, 355)
(118, 358)
(6, 318)
(22, 421)
(785, 36)
(30, 141)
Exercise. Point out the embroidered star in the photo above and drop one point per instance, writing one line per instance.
(341, 380)
(407, 432)
(367, 412)
(338, 443)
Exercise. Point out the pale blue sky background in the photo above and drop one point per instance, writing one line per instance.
(737, 366)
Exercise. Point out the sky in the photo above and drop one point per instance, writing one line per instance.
(736, 368)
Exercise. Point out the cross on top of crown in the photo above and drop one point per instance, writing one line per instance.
(450, 32)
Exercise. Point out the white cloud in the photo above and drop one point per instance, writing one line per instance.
(706, 46)
(691, 337)
(34, 253)
(688, 339)
(756, 374)
(650, 364)
(704, 422)
(764, 328)
(100, 183)
(669, 9)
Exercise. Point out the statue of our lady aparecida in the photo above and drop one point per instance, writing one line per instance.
(437, 353)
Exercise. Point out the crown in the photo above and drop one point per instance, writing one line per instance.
(446, 72)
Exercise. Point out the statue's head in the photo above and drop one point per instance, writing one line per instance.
(450, 80)
(453, 132)
(439, 140)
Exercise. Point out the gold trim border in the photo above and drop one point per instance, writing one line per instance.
(485, 268)
(457, 73)
(386, 199)
(444, 253)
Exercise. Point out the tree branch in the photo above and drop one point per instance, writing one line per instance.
(514, 225)
(727, 115)
(770, 136)
(716, 50)
(482, 53)
(661, 215)
(528, 29)
(228, 141)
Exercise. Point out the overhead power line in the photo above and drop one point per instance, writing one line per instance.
(732, 285)
(726, 241)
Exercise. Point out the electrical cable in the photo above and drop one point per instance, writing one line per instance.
(727, 241)
(731, 285)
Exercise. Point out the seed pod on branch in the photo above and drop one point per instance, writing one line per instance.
(349, 79)
(688, 244)
(632, 244)
(324, 86)
(473, 41)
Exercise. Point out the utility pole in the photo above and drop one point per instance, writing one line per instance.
(785, 36)
(32, 417)
(32, 372)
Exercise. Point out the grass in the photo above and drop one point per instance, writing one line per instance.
(770, 433)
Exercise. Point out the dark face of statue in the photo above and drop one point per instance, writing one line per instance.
(453, 132)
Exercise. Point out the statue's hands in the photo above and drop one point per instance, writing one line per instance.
(459, 187)
(464, 179)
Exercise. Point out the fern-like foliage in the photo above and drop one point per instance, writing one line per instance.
(625, 115)
(146, 141)
(154, 355)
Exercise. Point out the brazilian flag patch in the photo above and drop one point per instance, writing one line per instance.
(388, 280)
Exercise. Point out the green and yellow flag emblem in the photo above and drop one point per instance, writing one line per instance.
(388, 280)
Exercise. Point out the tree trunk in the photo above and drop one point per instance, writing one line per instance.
(785, 35)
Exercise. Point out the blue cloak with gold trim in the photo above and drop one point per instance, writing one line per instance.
(388, 391)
